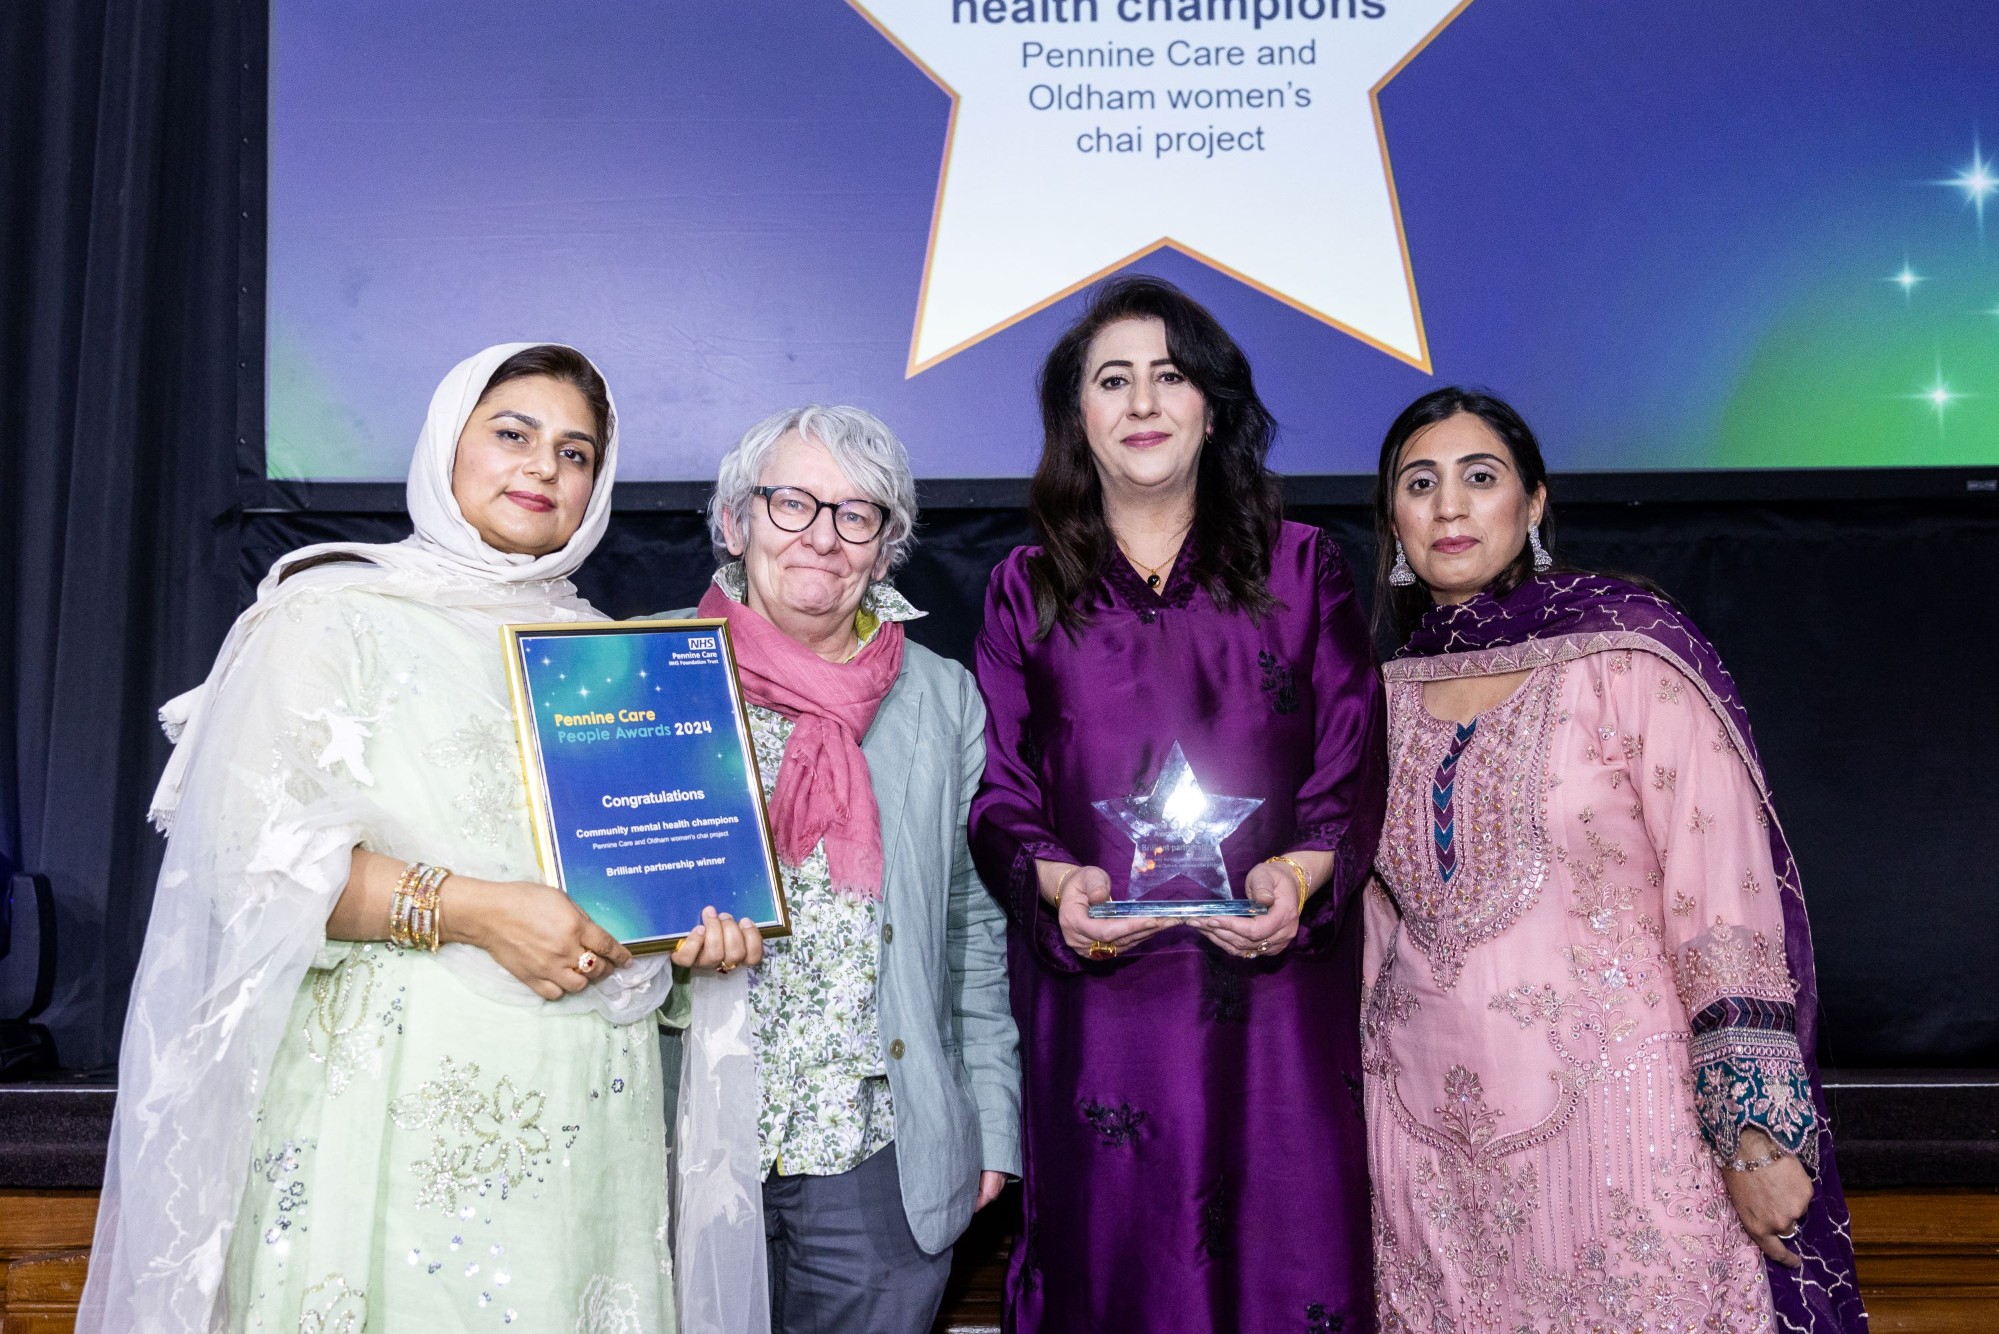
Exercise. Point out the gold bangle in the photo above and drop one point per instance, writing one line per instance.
(1062, 882)
(424, 914)
(433, 887)
(399, 906)
(413, 909)
(1304, 881)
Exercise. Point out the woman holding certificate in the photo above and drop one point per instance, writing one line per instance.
(1185, 720)
(374, 1075)
(1591, 1095)
(887, 1109)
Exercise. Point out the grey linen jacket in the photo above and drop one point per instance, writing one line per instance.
(947, 1031)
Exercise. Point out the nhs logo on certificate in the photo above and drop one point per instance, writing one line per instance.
(641, 776)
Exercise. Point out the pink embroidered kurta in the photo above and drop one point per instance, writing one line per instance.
(1577, 999)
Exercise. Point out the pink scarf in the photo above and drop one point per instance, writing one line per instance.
(823, 788)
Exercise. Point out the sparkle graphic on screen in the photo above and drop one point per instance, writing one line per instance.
(1906, 279)
(1939, 395)
(1977, 181)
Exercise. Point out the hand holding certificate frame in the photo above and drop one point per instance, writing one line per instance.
(641, 776)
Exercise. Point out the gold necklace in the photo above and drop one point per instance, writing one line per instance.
(1152, 571)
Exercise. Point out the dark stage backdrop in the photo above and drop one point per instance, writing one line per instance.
(120, 147)
(1861, 633)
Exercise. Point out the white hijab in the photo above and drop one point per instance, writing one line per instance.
(237, 921)
(444, 560)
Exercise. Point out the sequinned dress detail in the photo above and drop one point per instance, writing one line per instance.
(1577, 999)
(433, 1151)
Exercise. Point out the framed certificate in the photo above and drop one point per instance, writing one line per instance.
(641, 776)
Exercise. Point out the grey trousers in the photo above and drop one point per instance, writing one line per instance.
(842, 1259)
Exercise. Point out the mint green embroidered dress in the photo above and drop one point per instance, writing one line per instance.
(437, 1149)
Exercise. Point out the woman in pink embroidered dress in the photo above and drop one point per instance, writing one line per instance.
(1590, 1101)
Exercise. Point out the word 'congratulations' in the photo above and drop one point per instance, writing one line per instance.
(655, 798)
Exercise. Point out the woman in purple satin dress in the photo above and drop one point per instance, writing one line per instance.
(1193, 1150)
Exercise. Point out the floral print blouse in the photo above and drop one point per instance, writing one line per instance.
(826, 1104)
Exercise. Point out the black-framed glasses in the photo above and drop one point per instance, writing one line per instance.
(794, 509)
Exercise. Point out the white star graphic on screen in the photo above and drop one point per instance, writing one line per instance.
(1906, 279)
(1085, 134)
(1976, 181)
(1938, 394)
(1176, 830)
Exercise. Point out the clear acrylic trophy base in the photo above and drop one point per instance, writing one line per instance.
(1178, 908)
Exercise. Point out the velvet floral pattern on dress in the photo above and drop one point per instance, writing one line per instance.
(1117, 1124)
(1224, 988)
(1277, 684)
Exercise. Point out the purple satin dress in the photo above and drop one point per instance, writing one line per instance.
(1193, 1148)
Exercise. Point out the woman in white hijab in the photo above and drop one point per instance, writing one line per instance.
(320, 1129)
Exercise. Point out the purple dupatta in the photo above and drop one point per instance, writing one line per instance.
(1560, 616)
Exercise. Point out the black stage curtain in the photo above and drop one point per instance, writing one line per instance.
(119, 154)
(1861, 634)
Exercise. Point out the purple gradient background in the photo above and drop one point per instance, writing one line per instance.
(1612, 210)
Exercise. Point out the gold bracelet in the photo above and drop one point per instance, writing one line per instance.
(1062, 881)
(1304, 881)
(399, 907)
(414, 919)
(424, 916)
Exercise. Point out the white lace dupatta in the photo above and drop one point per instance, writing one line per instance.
(254, 865)
(719, 1257)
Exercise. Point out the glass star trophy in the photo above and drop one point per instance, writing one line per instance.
(1176, 831)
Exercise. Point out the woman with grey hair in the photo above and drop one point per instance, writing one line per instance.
(886, 1059)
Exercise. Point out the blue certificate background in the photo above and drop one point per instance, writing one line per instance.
(681, 676)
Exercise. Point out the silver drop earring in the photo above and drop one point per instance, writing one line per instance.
(1402, 576)
(1542, 560)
